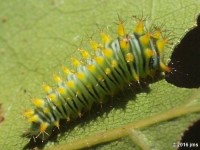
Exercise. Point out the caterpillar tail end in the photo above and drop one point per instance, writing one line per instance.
(38, 129)
(165, 68)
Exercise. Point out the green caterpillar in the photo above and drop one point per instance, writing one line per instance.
(115, 63)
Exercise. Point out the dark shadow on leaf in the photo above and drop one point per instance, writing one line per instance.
(185, 60)
(191, 137)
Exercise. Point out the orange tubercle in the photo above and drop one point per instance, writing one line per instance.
(165, 68)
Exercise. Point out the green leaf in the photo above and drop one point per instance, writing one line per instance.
(37, 37)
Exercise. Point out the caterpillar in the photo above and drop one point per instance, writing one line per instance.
(129, 58)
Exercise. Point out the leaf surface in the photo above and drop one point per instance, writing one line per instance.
(37, 37)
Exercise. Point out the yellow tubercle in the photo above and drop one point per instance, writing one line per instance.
(160, 43)
(43, 126)
(52, 96)
(121, 30)
(157, 34)
(114, 63)
(148, 53)
(139, 27)
(47, 88)
(99, 60)
(105, 38)
(145, 39)
(70, 84)
(108, 53)
(94, 45)
(129, 57)
(38, 102)
(57, 79)
(33, 118)
(66, 70)
(61, 90)
(91, 68)
(80, 75)
(84, 54)
(107, 71)
(75, 62)
(56, 123)
(136, 77)
(124, 44)
(28, 113)
(46, 110)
